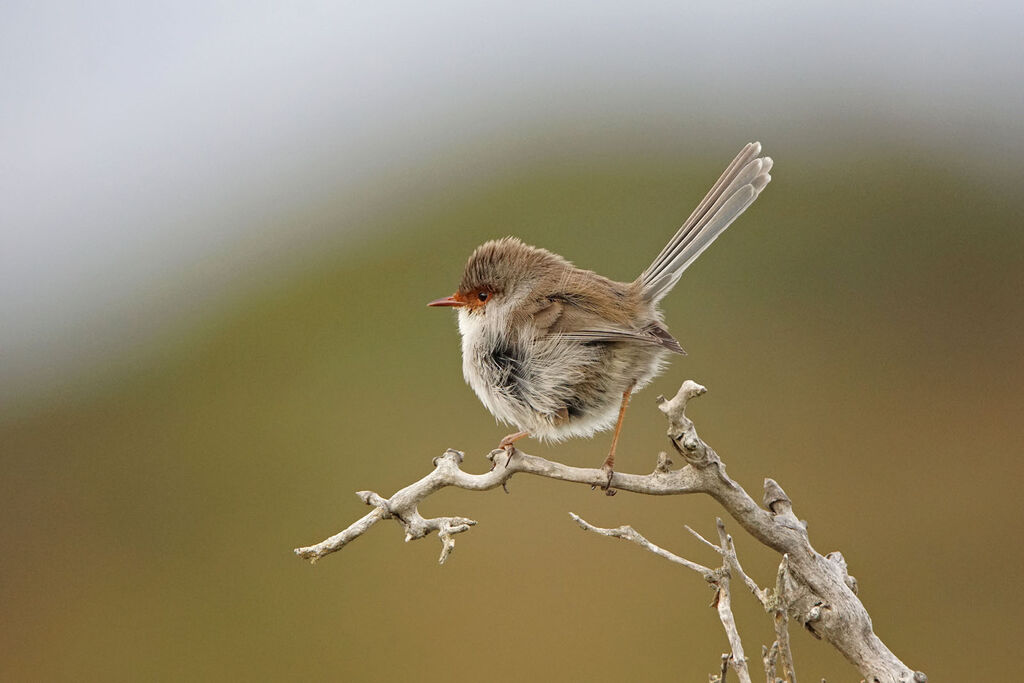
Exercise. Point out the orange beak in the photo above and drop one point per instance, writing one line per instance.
(452, 300)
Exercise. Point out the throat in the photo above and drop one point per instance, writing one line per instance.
(494, 365)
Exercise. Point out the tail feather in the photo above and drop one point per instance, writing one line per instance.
(730, 196)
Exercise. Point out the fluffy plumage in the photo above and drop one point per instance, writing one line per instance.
(550, 348)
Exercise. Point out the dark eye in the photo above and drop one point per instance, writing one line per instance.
(482, 296)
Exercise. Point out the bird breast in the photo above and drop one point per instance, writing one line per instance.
(544, 384)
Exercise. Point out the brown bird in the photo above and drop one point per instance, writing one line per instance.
(555, 350)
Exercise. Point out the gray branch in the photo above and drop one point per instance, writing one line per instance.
(628, 533)
(819, 593)
(719, 578)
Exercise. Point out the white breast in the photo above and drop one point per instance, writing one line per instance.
(548, 368)
(479, 338)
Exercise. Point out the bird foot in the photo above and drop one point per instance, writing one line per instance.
(607, 487)
(508, 444)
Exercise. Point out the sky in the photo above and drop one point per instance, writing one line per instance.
(155, 156)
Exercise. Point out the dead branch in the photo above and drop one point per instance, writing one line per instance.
(719, 578)
(818, 592)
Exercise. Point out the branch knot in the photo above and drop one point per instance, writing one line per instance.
(681, 430)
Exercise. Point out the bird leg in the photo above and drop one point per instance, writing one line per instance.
(508, 444)
(609, 462)
(509, 440)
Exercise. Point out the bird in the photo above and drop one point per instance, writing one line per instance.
(556, 351)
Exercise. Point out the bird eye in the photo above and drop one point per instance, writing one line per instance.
(482, 296)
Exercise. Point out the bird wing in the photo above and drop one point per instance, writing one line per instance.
(654, 336)
(570, 320)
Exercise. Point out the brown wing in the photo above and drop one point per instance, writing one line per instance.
(570, 318)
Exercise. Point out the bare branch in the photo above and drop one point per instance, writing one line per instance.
(780, 618)
(628, 533)
(719, 578)
(703, 540)
(819, 593)
(340, 540)
(729, 551)
(724, 603)
(768, 658)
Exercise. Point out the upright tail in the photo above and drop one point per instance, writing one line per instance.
(737, 189)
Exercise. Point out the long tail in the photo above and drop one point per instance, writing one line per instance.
(737, 189)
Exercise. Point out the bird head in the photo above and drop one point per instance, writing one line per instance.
(501, 272)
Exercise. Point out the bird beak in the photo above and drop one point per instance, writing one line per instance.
(447, 301)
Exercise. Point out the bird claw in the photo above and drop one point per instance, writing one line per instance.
(607, 487)
(508, 444)
(509, 440)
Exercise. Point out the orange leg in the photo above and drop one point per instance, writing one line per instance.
(609, 462)
(509, 444)
(509, 441)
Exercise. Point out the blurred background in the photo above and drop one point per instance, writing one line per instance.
(220, 225)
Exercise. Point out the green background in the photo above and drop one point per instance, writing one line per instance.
(859, 330)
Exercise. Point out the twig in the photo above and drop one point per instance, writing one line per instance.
(725, 604)
(820, 592)
(768, 658)
(719, 578)
(628, 533)
(729, 550)
(780, 618)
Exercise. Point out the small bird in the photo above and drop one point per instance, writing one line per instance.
(555, 350)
